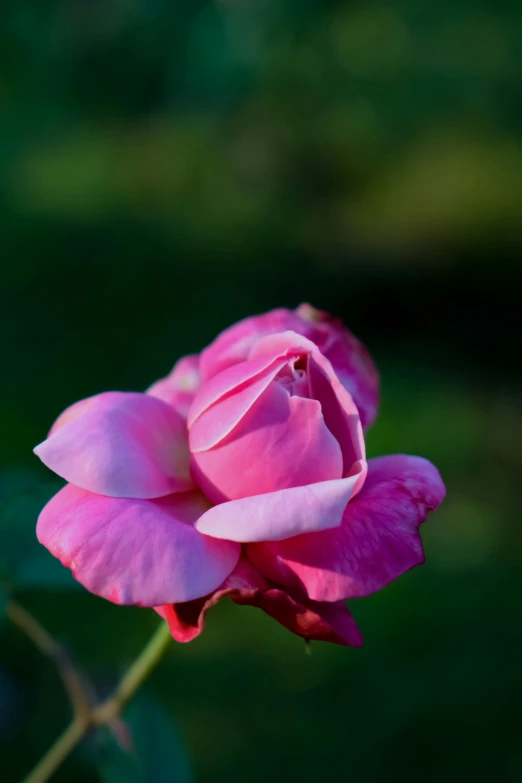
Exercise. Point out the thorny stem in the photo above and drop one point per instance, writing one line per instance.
(86, 714)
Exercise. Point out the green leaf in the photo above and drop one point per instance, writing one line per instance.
(156, 753)
(23, 561)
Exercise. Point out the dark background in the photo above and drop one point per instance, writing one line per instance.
(168, 167)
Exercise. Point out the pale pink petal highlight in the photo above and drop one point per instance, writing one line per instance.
(120, 444)
(71, 413)
(279, 515)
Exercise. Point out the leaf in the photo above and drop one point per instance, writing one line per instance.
(24, 562)
(156, 753)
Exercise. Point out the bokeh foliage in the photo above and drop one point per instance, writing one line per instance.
(168, 167)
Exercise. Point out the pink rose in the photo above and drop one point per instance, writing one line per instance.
(243, 473)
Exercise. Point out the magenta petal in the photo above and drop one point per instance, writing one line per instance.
(134, 551)
(120, 444)
(327, 622)
(377, 541)
(179, 388)
(279, 515)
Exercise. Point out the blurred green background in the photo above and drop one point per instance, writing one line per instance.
(168, 167)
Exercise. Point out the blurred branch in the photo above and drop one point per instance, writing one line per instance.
(78, 689)
(58, 753)
(104, 714)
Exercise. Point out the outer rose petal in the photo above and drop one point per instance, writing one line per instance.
(376, 542)
(120, 444)
(71, 413)
(327, 622)
(144, 552)
(179, 388)
(350, 359)
(279, 515)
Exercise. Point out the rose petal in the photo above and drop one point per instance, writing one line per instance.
(339, 410)
(350, 359)
(120, 444)
(179, 388)
(283, 442)
(328, 622)
(377, 541)
(233, 345)
(281, 345)
(71, 413)
(236, 389)
(279, 515)
(134, 551)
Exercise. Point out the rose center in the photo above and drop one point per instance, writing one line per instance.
(294, 379)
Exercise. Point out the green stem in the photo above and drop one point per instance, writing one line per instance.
(106, 712)
(57, 753)
(134, 676)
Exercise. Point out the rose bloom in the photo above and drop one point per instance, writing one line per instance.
(242, 473)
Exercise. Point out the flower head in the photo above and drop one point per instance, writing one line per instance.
(243, 473)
